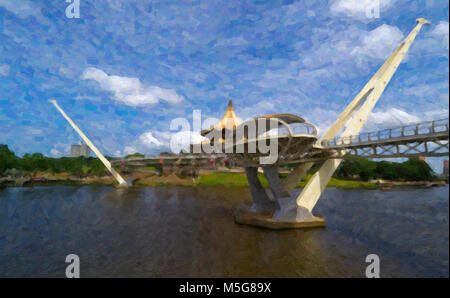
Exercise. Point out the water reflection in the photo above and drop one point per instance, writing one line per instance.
(189, 232)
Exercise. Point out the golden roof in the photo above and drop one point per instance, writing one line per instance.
(229, 121)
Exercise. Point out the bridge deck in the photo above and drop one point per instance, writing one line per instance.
(421, 139)
(395, 140)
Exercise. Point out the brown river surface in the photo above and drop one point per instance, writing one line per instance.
(190, 232)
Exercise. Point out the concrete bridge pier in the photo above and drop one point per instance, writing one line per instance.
(287, 208)
(297, 213)
(130, 178)
(282, 212)
(261, 201)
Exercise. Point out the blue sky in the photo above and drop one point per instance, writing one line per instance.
(125, 69)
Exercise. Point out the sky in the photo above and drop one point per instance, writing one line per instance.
(124, 70)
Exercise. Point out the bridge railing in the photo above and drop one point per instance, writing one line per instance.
(423, 128)
(299, 128)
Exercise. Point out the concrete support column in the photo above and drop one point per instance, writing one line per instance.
(287, 208)
(130, 178)
(261, 202)
(275, 184)
(296, 175)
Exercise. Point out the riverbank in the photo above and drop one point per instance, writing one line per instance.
(228, 179)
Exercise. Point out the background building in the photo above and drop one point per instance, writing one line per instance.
(80, 150)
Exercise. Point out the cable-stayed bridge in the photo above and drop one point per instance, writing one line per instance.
(277, 206)
(428, 139)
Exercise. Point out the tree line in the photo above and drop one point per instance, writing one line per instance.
(355, 168)
(37, 162)
(364, 169)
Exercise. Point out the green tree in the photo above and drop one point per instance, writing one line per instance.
(96, 167)
(34, 162)
(357, 168)
(137, 154)
(416, 170)
(8, 159)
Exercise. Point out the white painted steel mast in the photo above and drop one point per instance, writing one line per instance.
(93, 148)
(371, 92)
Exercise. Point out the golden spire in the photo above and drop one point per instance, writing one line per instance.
(229, 120)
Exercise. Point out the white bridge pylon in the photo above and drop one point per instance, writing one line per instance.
(371, 93)
(106, 162)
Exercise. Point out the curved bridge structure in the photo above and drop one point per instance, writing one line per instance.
(428, 138)
(298, 142)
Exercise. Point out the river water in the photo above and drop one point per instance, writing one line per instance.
(190, 232)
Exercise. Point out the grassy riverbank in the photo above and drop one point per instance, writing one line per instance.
(37, 169)
(227, 179)
(239, 179)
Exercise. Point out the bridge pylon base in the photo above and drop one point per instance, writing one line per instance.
(266, 221)
(277, 211)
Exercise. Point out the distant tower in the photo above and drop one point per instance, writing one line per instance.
(80, 150)
(445, 171)
(229, 122)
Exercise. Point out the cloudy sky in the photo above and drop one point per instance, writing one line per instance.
(125, 69)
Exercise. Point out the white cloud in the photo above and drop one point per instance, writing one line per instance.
(55, 153)
(434, 42)
(310, 13)
(345, 56)
(91, 98)
(441, 29)
(4, 70)
(131, 91)
(150, 141)
(359, 9)
(169, 141)
(23, 9)
(32, 131)
(129, 150)
(379, 43)
(262, 108)
(390, 118)
(426, 90)
(437, 114)
(66, 72)
(60, 149)
(185, 138)
(441, 32)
